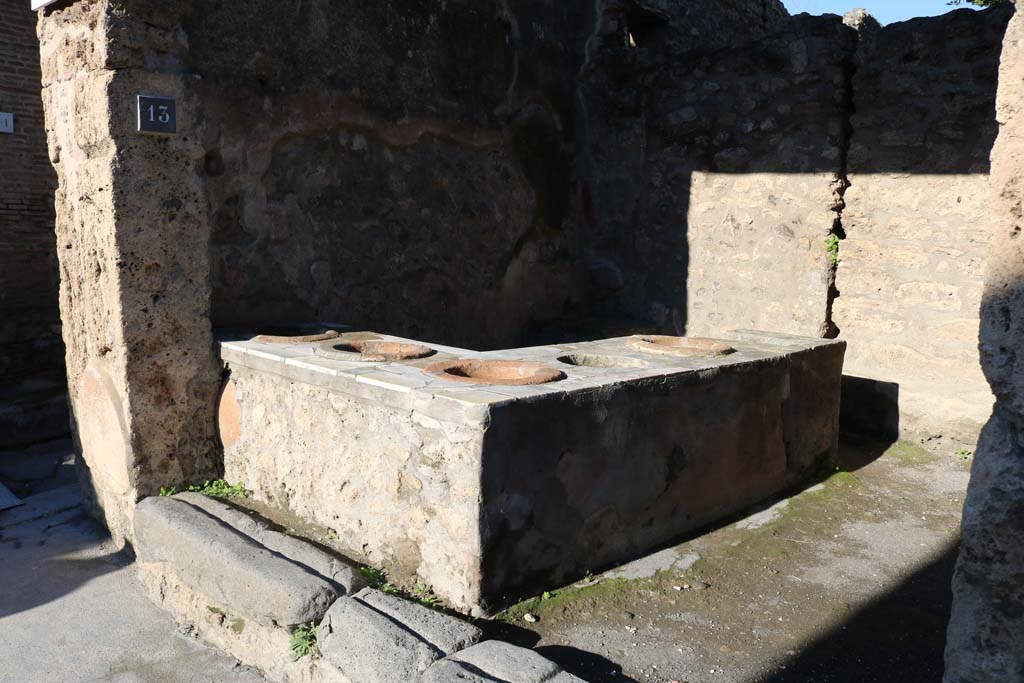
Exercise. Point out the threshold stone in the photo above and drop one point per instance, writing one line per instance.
(228, 566)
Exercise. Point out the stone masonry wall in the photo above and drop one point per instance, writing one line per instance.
(406, 167)
(917, 220)
(718, 168)
(30, 346)
(718, 177)
(399, 487)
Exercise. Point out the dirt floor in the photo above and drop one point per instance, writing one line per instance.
(846, 581)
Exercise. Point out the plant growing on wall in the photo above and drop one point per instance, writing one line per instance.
(832, 246)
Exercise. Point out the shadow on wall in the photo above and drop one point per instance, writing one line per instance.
(714, 178)
(870, 406)
(898, 637)
(416, 181)
(685, 184)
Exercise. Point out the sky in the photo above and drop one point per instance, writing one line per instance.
(886, 11)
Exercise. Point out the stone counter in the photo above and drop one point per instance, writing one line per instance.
(486, 491)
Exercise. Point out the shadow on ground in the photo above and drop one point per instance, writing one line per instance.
(900, 636)
(590, 667)
(47, 559)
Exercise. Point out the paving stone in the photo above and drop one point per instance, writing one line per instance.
(496, 661)
(227, 565)
(376, 638)
(41, 505)
(344, 576)
(33, 462)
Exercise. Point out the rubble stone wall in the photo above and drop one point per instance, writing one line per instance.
(405, 167)
(722, 173)
(30, 346)
(917, 220)
(717, 179)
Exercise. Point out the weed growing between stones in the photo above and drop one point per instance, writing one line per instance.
(378, 580)
(424, 594)
(218, 488)
(303, 642)
(420, 592)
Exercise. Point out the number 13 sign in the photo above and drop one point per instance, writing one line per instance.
(156, 115)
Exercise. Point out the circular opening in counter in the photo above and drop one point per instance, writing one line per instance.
(507, 372)
(591, 360)
(374, 351)
(680, 346)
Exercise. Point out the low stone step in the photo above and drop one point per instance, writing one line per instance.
(373, 637)
(227, 565)
(497, 662)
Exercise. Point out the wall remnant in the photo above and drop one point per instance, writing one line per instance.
(777, 178)
(985, 640)
(132, 232)
(916, 223)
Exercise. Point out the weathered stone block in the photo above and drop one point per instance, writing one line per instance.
(497, 662)
(375, 638)
(445, 633)
(227, 565)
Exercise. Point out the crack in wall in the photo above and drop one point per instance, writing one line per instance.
(841, 184)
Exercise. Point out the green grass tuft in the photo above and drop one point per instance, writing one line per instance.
(378, 580)
(303, 642)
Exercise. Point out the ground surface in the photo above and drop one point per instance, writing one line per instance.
(846, 581)
(71, 609)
